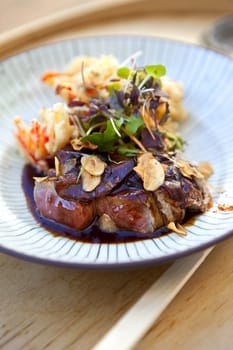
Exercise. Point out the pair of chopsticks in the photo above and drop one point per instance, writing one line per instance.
(131, 328)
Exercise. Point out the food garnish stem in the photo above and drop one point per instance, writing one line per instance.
(130, 58)
(93, 128)
(143, 82)
(145, 121)
(134, 139)
(79, 174)
(79, 124)
(114, 127)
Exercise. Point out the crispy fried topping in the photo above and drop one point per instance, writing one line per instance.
(189, 170)
(151, 171)
(178, 228)
(93, 165)
(205, 169)
(89, 182)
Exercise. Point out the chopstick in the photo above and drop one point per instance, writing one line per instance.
(126, 333)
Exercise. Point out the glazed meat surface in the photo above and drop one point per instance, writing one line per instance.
(120, 196)
(73, 213)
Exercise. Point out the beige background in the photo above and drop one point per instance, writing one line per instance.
(17, 12)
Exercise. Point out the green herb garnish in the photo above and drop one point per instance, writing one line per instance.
(133, 124)
(176, 140)
(131, 107)
(156, 71)
(123, 72)
(128, 150)
(105, 140)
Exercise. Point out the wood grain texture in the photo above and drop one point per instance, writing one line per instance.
(128, 331)
(201, 316)
(45, 307)
(84, 14)
(57, 308)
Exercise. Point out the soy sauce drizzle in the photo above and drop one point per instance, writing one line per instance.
(92, 234)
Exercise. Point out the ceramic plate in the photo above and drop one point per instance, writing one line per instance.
(208, 80)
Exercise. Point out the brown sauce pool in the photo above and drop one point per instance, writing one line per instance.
(92, 234)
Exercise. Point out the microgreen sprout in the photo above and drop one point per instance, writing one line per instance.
(116, 123)
(154, 71)
(123, 72)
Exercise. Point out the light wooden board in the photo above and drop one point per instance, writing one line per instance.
(45, 307)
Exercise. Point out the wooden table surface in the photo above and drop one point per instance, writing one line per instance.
(46, 307)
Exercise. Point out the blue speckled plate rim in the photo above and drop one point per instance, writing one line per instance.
(118, 265)
(102, 36)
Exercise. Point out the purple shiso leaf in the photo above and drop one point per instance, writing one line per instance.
(113, 176)
(148, 142)
(158, 92)
(154, 103)
(76, 103)
(116, 100)
(134, 95)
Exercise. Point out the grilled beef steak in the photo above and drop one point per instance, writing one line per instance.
(120, 196)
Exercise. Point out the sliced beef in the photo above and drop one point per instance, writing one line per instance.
(120, 196)
(75, 214)
(197, 196)
(131, 210)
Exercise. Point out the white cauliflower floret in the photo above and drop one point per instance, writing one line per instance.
(95, 71)
(175, 91)
(84, 77)
(58, 127)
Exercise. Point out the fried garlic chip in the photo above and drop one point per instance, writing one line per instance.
(151, 171)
